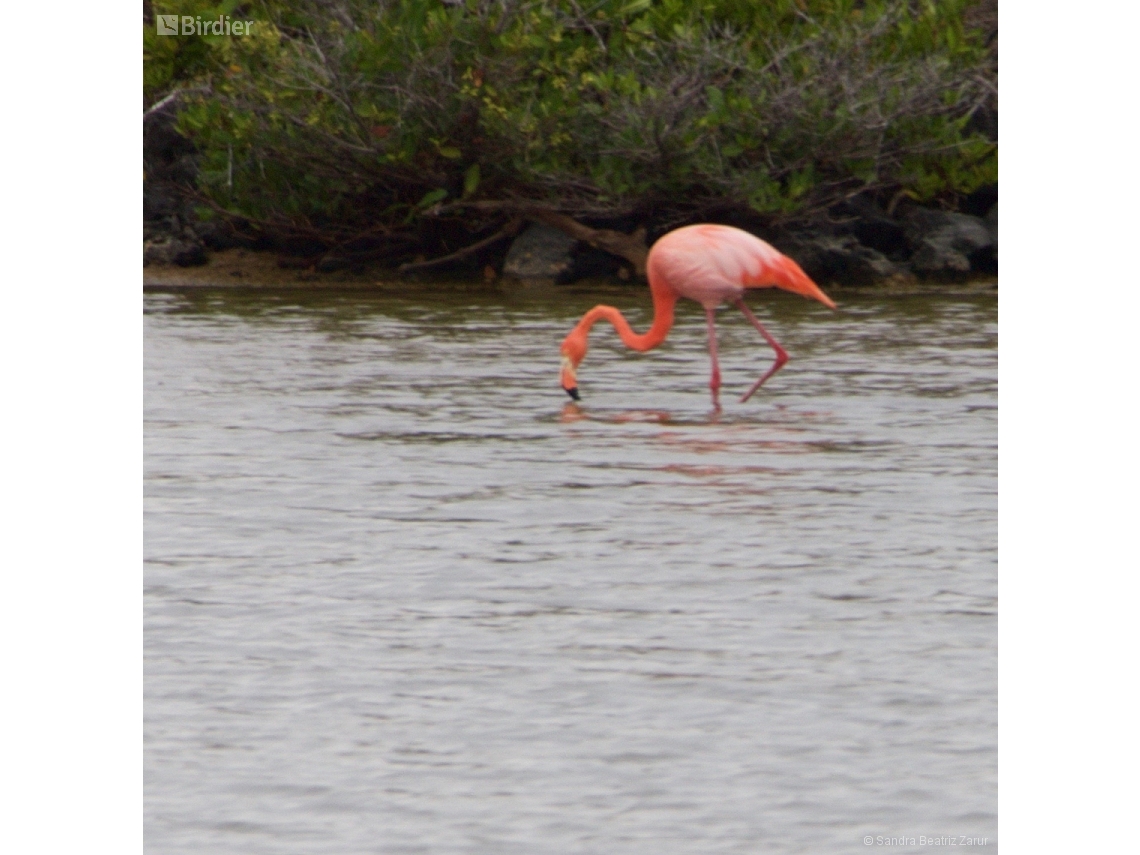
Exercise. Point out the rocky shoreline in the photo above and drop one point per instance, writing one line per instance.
(908, 248)
(246, 269)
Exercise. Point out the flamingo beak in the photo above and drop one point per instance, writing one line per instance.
(795, 280)
(569, 378)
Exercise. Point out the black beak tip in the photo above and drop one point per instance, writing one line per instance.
(573, 393)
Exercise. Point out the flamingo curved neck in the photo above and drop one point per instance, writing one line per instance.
(662, 323)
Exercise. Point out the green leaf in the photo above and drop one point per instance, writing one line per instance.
(715, 98)
(431, 198)
(451, 152)
(471, 179)
(632, 8)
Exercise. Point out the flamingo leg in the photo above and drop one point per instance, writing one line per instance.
(714, 380)
(781, 354)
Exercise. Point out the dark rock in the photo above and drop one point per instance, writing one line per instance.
(589, 261)
(172, 230)
(881, 234)
(172, 233)
(948, 244)
(871, 226)
(839, 258)
(938, 259)
(159, 200)
(540, 252)
(167, 155)
(169, 165)
(214, 234)
(332, 263)
(980, 201)
(991, 221)
(179, 251)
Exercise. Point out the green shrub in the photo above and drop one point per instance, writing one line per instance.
(353, 114)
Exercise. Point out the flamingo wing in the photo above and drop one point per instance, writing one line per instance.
(707, 262)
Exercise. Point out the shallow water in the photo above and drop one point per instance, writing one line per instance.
(402, 597)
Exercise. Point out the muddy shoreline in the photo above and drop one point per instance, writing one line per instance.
(245, 268)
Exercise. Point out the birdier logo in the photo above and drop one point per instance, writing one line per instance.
(193, 25)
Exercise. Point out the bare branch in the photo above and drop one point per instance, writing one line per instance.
(509, 230)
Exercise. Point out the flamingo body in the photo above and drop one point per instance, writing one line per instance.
(710, 264)
(715, 264)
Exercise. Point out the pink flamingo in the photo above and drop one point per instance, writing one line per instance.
(707, 263)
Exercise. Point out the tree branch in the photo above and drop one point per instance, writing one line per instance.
(630, 247)
(509, 230)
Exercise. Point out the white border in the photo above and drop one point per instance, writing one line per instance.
(70, 607)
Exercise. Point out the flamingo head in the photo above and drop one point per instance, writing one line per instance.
(573, 352)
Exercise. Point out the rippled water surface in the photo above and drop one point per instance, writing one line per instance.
(402, 597)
